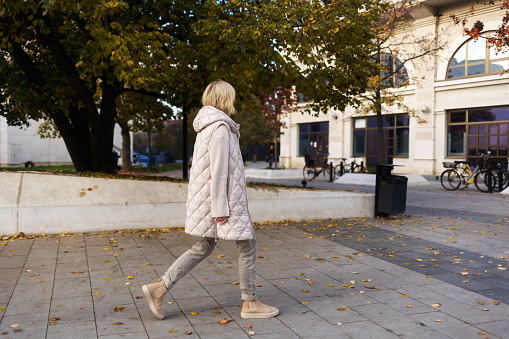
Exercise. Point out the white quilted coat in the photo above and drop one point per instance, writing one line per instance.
(217, 184)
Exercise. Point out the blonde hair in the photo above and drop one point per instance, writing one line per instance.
(221, 95)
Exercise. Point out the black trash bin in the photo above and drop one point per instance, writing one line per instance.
(390, 193)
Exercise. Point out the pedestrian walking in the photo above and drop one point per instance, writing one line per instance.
(270, 157)
(217, 205)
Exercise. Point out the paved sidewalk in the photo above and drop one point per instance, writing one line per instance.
(438, 272)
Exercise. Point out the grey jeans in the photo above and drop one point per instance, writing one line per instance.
(202, 249)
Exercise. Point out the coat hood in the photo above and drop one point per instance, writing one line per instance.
(209, 115)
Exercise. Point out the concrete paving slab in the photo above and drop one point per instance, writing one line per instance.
(380, 253)
(83, 329)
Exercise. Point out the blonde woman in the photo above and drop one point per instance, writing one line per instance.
(217, 203)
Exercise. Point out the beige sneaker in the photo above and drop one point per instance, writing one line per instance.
(257, 310)
(154, 293)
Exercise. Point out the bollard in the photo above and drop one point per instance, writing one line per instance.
(489, 173)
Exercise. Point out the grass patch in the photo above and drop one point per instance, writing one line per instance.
(61, 168)
(163, 168)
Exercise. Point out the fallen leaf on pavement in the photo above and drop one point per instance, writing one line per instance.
(119, 309)
(117, 323)
(224, 321)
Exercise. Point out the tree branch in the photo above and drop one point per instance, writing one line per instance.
(145, 92)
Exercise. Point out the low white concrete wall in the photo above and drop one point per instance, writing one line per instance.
(274, 174)
(41, 203)
(370, 179)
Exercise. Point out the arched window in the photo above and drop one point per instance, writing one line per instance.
(475, 58)
(394, 74)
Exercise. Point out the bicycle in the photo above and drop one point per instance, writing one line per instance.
(311, 171)
(500, 172)
(340, 169)
(459, 174)
(355, 167)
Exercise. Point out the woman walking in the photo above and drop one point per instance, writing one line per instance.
(217, 203)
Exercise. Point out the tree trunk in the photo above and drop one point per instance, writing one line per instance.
(275, 151)
(126, 145)
(382, 159)
(149, 153)
(185, 151)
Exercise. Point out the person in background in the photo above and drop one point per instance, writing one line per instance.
(270, 158)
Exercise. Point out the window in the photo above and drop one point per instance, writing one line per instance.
(313, 139)
(474, 58)
(396, 137)
(394, 73)
(474, 131)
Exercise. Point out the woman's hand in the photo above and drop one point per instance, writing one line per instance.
(220, 220)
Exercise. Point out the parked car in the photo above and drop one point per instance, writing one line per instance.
(139, 159)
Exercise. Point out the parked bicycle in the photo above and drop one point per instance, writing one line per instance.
(459, 175)
(354, 167)
(340, 169)
(500, 172)
(314, 167)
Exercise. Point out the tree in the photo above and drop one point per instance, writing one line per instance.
(67, 62)
(500, 39)
(396, 45)
(274, 106)
(333, 46)
(253, 129)
(139, 113)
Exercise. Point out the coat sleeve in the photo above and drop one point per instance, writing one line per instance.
(219, 152)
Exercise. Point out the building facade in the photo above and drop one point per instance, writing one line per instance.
(21, 145)
(461, 100)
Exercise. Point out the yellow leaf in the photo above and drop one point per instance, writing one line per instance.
(193, 313)
(117, 323)
(119, 309)
(82, 194)
(130, 277)
(342, 309)
(224, 321)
